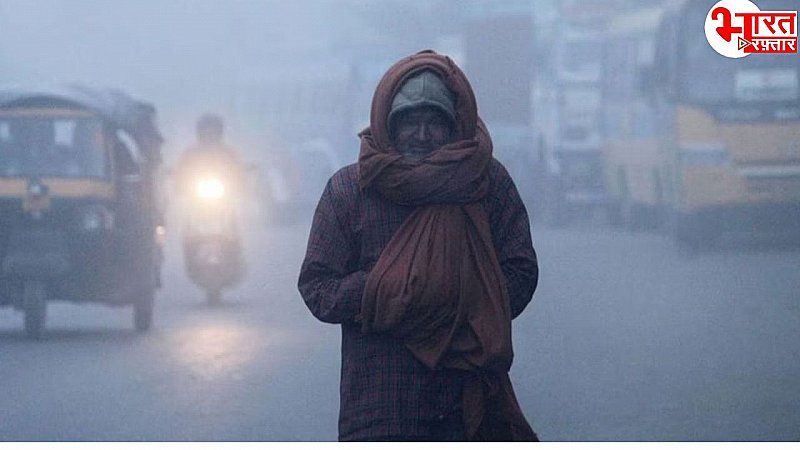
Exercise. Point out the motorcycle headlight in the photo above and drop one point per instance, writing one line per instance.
(210, 189)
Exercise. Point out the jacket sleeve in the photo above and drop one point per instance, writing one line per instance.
(511, 233)
(329, 282)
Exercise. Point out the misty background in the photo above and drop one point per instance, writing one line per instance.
(188, 57)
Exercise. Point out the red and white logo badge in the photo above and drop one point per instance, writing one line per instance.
(737, 28)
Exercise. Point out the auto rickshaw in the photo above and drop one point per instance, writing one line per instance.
(80, 215)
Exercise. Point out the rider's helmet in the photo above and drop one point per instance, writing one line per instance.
(210, 128)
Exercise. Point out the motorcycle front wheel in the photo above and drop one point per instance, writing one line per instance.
(213, 297)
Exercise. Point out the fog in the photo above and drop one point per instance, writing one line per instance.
(188, 57)
(661, 179)
(185, 56)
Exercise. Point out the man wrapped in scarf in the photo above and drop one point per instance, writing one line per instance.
(422, 252)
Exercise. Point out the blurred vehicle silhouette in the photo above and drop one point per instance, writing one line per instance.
(729, 134)
(568, 119)
(630, 146)
(294, 180)
(79, 209)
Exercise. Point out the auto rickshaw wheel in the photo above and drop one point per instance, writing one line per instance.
(143, 310)
(35, 308)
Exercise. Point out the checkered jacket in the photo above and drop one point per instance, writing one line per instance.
(384, 390)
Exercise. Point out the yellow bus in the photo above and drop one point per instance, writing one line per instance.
(729, 132)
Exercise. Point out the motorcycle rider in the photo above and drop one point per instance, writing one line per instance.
(210, 153)
(210, 178)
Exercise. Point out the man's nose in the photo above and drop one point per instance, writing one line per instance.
(423, 132)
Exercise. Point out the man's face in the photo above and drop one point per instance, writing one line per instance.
(420, 131)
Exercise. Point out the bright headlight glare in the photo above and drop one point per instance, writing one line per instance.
(210, 189)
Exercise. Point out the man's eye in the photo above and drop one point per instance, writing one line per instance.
(409, 123)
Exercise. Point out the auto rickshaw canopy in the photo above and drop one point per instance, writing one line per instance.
(135, 117)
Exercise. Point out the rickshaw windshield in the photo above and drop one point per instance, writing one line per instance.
(52, 145)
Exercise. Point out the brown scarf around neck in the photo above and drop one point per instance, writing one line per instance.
(438, 284)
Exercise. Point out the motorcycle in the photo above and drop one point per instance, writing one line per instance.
(212, 245)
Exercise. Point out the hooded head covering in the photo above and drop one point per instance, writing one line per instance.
(453, 173)
(423, 89)
(464, 106)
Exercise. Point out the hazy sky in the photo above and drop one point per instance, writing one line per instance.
(183, 55)
(142, 40)
(187, 56)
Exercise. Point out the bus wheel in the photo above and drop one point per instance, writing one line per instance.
(35, 308)
(143, 310)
